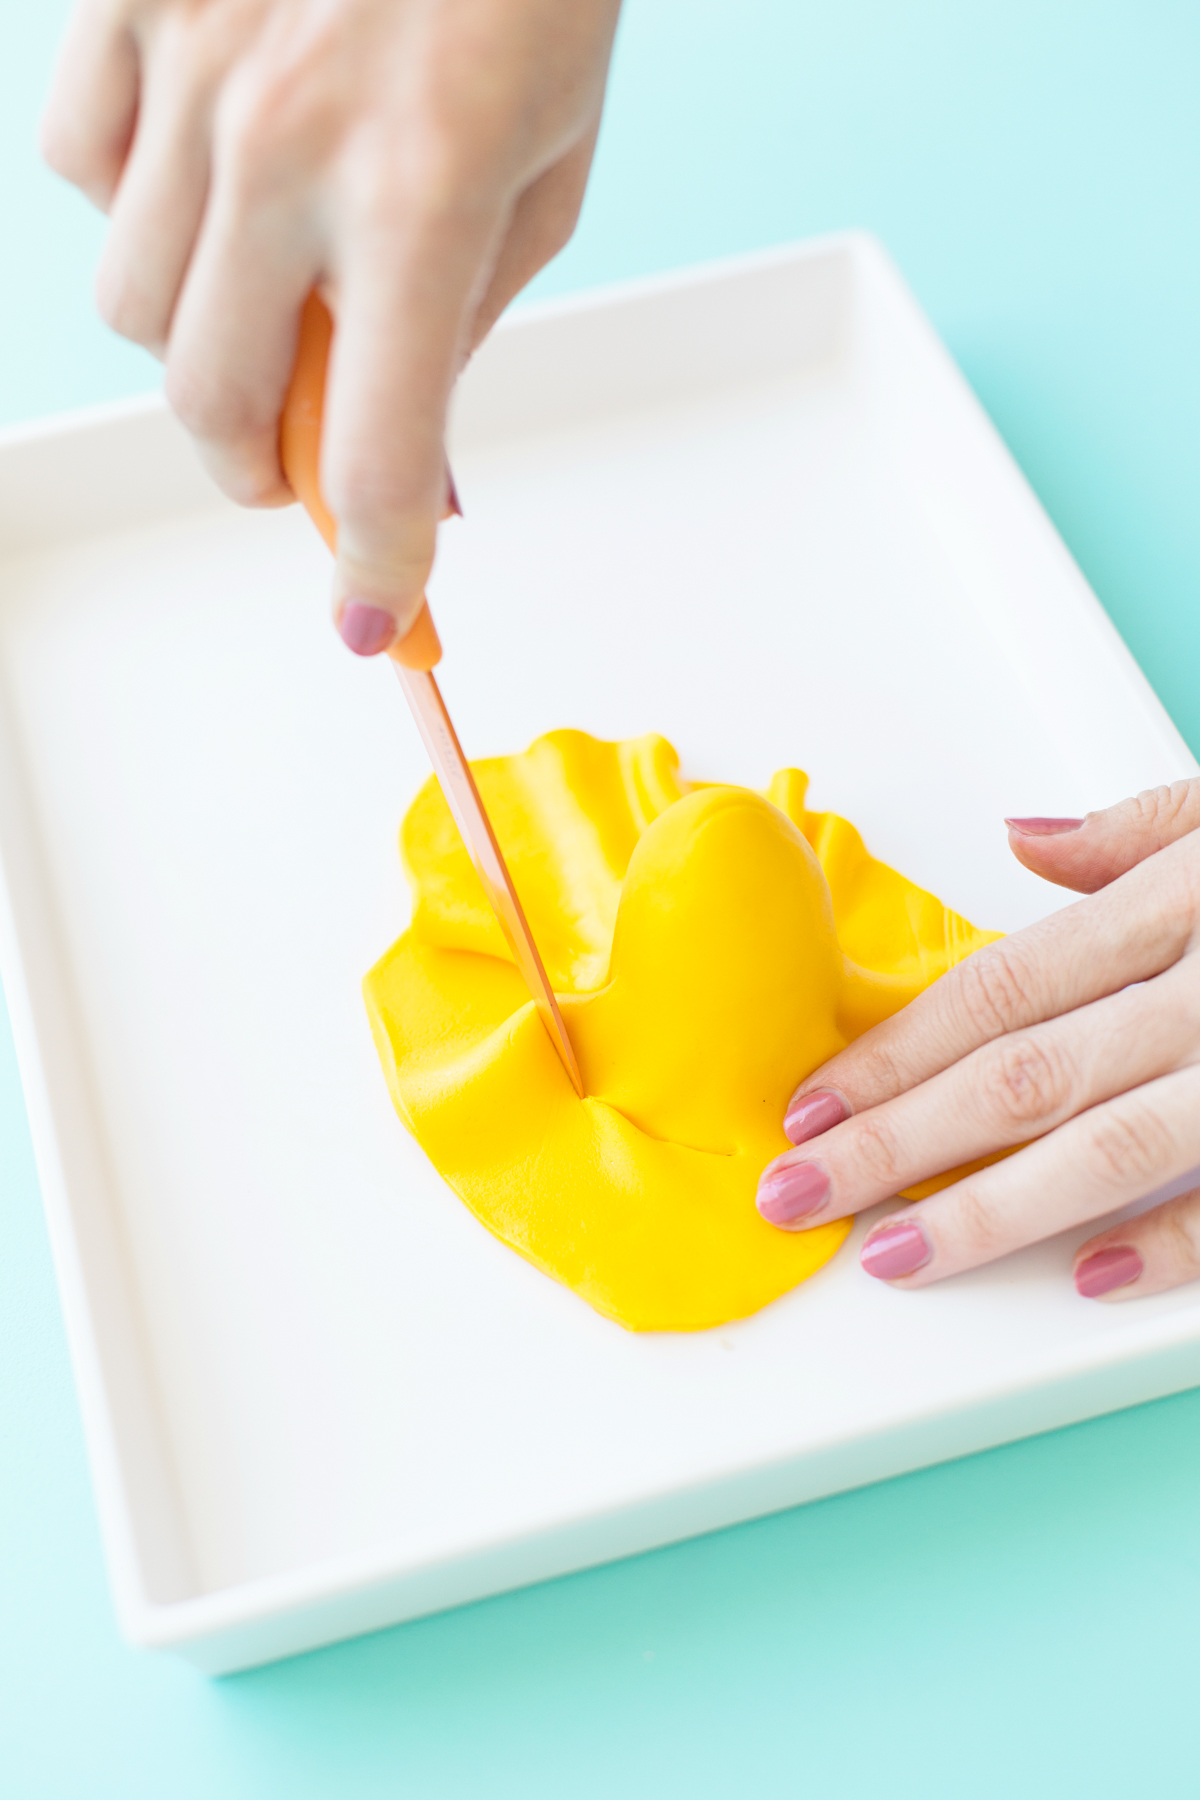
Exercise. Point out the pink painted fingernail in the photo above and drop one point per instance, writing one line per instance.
(1107, 1269)
(1043, 827)
(453, 504)
(895, 1250)
(792, 1192)
(366, 629)
(815, 1113)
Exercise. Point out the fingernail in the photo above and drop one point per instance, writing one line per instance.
(1043, 827)
(895, 1250)
(452, 500)
(1107, 1269)
(792, 1192)
(366, 629)
(817, 1112)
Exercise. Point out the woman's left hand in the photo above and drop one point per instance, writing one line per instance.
(1078, 1038)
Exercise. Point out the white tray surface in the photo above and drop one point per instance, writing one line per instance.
(778, 531)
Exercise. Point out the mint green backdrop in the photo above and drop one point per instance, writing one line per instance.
(1021, 1622)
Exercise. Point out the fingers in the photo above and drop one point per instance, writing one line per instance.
(251, 149)
(1020, 1087)
(231, 355)
(1102, 1160)
(159, 202)
(1139, 926)
(233, 340)
(405, 300)
(1108, 1090)
(1086, 854)
(89, 120)
(1148, 1255)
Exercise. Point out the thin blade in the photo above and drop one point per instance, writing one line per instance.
(462, 796)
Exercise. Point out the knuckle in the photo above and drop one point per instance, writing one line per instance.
(995, 990)
(1169, 811)
(110, 298)
(867, 1073)
(1180, 1223)
(249, 474)
(877, 1073)
(438, 185)
(1127, 1145)
(398, 506)
(125, 307)
(216, 411)
(194, 402)
(252, 144)
(877, 1151)
(978, 1228)
(1181, 894)
(275, 118)
(438, 171)
(439, 162)
(249, 481)
(61, 147)
(1025, 1080)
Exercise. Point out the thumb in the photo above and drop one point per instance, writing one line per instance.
(1088, 853)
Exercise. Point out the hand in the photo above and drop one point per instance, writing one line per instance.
(416, 160)
(1081, 1034)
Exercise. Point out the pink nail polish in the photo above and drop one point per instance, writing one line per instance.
(366, 629)
(895, 1250)
(815, 1113)
(452, 501)
(1043, 827)
(792, 1192)
(1107, 1269)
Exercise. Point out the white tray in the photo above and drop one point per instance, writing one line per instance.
(318, 1396)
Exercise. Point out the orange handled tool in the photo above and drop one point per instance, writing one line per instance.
(414, 659)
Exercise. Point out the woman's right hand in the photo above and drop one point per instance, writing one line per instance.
(416, 160)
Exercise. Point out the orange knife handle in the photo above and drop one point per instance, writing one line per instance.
(300, 454)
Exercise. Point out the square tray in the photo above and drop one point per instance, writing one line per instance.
(318, 1396)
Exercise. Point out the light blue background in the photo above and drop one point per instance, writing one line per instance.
(1022, 1622)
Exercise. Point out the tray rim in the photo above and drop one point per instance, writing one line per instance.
(206, 1626)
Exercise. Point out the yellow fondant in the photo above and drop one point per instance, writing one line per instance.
(710, 946)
